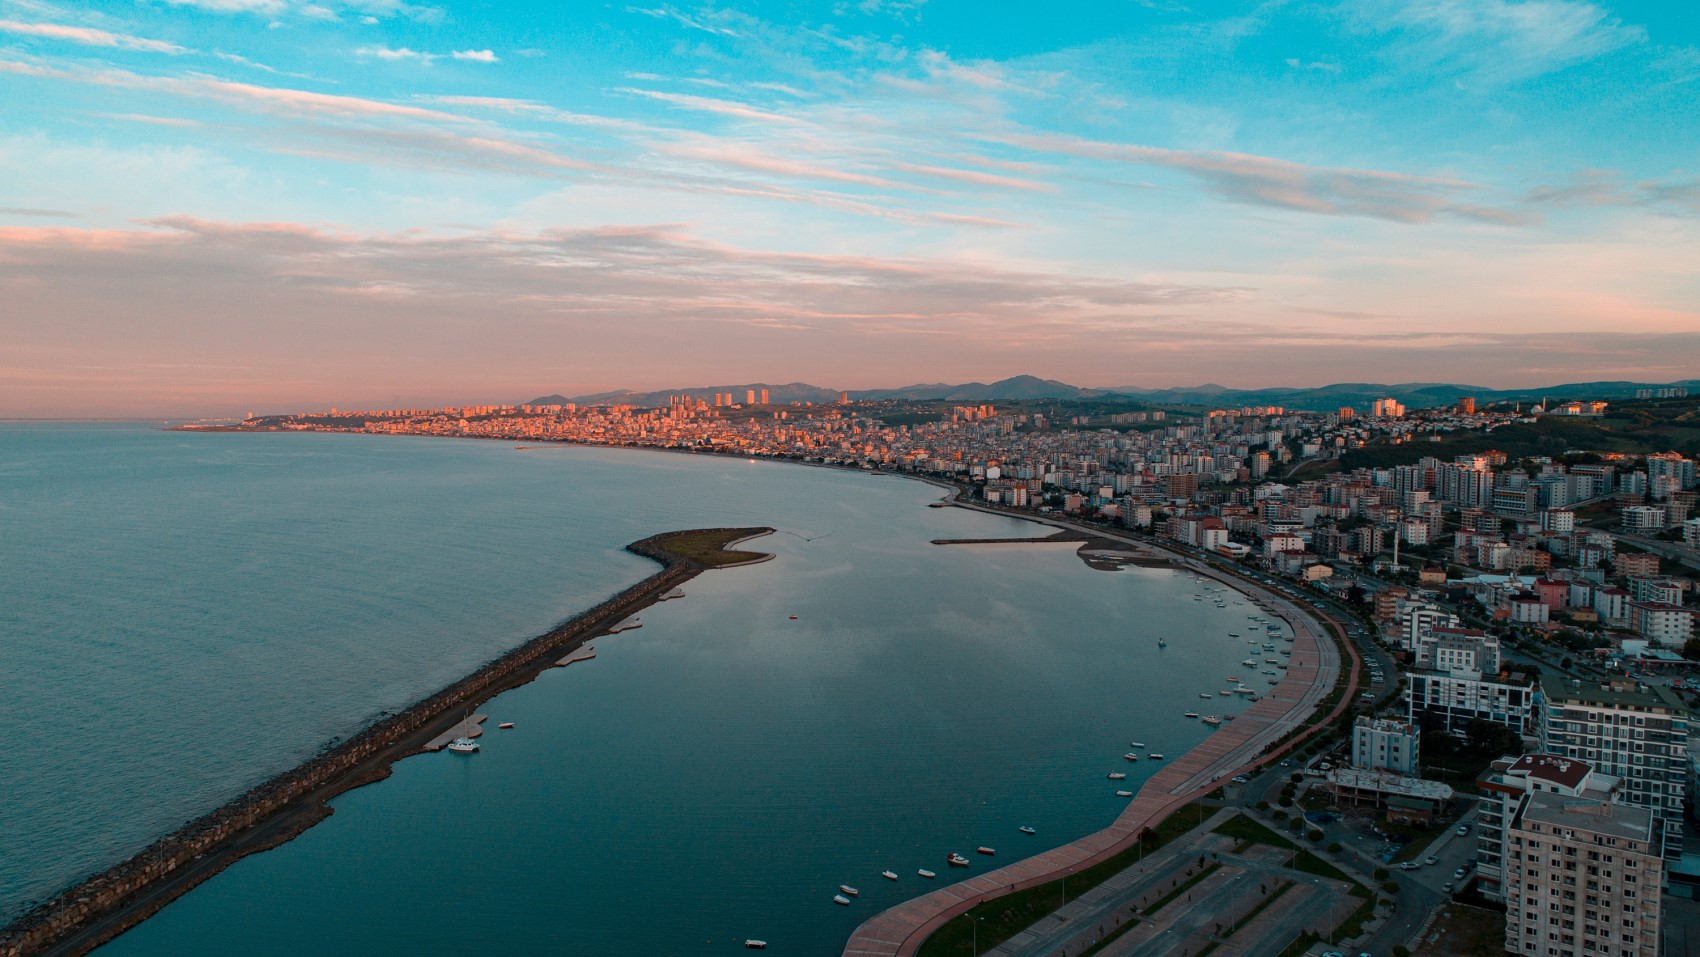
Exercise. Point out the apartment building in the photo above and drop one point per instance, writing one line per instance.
(1635, 732)
(1582, 879)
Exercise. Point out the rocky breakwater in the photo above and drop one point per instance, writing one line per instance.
(101, 907)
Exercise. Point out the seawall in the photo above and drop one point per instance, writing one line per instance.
(103, 906)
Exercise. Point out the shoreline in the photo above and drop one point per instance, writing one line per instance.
(100, 907)
(901, 930)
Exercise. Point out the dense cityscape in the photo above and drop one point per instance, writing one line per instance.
(1539, 604)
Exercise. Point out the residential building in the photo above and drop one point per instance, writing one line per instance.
(1582, 879)
(1669, 625)
(1454, 700)
(1507, 785)
(1636, 732)
(1387, 745)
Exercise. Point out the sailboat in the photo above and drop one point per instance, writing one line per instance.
(463, 744)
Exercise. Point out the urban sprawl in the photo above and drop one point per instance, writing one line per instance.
(1537, 614)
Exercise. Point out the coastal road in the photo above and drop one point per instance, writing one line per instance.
(1235, 747)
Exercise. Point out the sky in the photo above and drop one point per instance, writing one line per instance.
(211, 207)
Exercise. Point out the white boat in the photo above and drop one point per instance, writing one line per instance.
(1211, 720)
(1204, 694)
(1156, 756)
(841, 899)
(985, 850)
(463, 745)
(888, 875)
(1027, 830)
(1136, 744)
(956, 860)
(847, 889)
(1228, 692)
(1189, 714)
(1124, 794)
(1162, 643)
(929, 875)
(505, 725)
(756, 944)
(1250, 662)
(1130, 756)
(1117, 776)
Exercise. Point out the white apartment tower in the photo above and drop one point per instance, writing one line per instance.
(1582, 879)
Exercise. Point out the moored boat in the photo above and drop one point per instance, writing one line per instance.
(985, 850)
(1027, 830)
(847, 889)
(1124, 794)
(505, 725)
(841, 900)
(889, 875)
(1117, 776)
(1189, 714)
(1130, 756)
(956, 860)
(463, 745)
(754, 944)
(1156, 756)
(929, 875)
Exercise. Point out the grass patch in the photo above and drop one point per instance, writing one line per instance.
(708, 546)
(1353, 925)
(1112, 937)
(1184, 886)
(1245, 829)
(1262, 906)
(1299, 945)
(1006, 916)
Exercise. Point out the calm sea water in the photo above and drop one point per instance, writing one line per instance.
(184, 615)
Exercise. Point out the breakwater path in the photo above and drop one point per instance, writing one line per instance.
(1237, 746)
(103, 906)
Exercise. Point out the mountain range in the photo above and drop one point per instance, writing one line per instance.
(1417, 395)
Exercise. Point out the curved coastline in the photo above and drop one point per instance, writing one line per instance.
(99, 908)
(901, 930)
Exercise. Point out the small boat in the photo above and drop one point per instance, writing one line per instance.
(505, 725)
(756, 944)
(1117, 776)
(793, 617)
(1124, 794)
(1229, 717)
(1136, 744)
(1027, 830)
(929, 875)
(1130, 756)
(1233, 634)
(985, 850)
(1233, 679)
(1204, 694)
(1189, 714)
(1229, 692)
(1156, 756)
(888, 875)
(840, 899)
(956, 860)
(847, 889)
(1211, 720)
(463, 745)
(1162, 643)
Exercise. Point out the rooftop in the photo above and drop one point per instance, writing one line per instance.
(1612, 820)
(1618, 694)
(1389, 783)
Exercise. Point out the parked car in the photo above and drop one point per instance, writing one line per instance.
(1463, 829)
(1446, 887)
(1431, 859)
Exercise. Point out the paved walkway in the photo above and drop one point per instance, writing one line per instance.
(1312, 670)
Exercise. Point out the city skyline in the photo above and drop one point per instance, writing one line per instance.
(216, 205)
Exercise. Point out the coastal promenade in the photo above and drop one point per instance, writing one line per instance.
(1312, 672)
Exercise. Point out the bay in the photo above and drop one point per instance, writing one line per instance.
(199, 611)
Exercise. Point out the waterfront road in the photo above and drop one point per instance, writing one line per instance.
(1235, 747)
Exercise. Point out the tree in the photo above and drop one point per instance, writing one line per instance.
(1691, 649)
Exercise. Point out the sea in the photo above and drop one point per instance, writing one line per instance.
(183, 615)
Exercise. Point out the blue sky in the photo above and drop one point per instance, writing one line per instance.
(216, 205)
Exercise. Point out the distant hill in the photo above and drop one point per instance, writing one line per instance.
(787, 392)
(1013, 389)
(1021, 388)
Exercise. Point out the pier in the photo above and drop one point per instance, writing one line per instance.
(472, 727)
(1235, 748)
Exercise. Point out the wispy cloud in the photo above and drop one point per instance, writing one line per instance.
(1495, 41)
(32, 211)
(89, 36)
(710, 105)
(476, 56)
(1265, 181)
(1600, 187)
